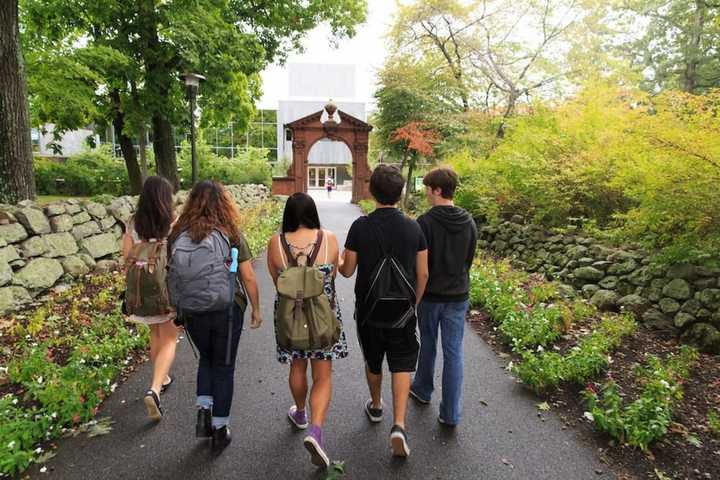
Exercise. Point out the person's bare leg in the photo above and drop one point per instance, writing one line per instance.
(321, 391)
(154, 342)
(375, 385)
(400, 390)
(298, 382)
(165, 353)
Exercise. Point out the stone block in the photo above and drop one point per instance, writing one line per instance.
(669, 305)
(9, 254)
(710, 298)
(85, 229)
(705, 336)
(6, 273)
(54, 209)
(33, 220)
(678, 289)
(101, 245)
(105, 266)
(589, 290)
(634, 303)
(107, 223)
(609, 283)
(80, 218)
(72, 208)
(682, 319)
(588, 273)
(683, 271)
(7, 301)
(89, 261)
(39, 273)
(623, 268)
(605, 300)
(60, 245)
(97, 210)
(74, 266)
(61, 223)
(13, 232)
(656, 320)
(33, 247)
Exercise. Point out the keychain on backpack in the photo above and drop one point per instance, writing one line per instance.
(233, 273)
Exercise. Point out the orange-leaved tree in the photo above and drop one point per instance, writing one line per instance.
(418, 139)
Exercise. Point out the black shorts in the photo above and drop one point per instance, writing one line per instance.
(400, 345)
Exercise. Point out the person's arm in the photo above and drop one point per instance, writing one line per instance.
(473, 247)
(247, 274)
(348, 263)
(273, 268)
(421, 274)
(127, 243)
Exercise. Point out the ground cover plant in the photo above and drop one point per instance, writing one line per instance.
(643, 391)
(60, 358)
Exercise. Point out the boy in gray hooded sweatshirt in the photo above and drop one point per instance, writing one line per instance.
(452, 238)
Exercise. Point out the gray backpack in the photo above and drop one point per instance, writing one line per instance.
(198, 275)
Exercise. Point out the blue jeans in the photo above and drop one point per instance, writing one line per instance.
(215, 378)
(450, 319)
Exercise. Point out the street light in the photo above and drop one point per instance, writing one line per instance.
(192, 82)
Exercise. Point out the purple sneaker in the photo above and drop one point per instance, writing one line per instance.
(314, 444)
(298, 417)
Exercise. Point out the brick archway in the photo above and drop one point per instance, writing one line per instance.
(307, 131)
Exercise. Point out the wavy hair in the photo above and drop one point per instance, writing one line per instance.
(155, 209)
(208, 207)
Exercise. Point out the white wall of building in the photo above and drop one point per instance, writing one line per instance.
(72, 142)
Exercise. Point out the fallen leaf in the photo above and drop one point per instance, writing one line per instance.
(544, 406)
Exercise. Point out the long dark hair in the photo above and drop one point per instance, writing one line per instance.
(208, 207)
(155, 209)
(300, 210)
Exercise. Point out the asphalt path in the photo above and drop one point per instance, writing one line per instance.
(500, 437)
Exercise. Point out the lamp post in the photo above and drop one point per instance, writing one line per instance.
(192, 82)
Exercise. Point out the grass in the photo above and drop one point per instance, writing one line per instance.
(46, 199)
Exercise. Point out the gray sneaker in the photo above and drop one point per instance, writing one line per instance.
(398, 441)
(374, 414)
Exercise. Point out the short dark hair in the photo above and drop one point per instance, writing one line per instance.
(300, 210)
(386, 184)
(443, 178)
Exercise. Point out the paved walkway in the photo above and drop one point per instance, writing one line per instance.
(501, 436)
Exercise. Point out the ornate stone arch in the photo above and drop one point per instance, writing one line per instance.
(310, 129)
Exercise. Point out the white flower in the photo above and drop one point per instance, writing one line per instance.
(540, 349)
(11, 445)
(53, 414)
(15, 401)
(43, 470)
(38, 450)
(664, 383)
(40, 379)
(589, 416)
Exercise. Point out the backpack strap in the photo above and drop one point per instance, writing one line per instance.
(292, 261)
(378, 236)
(316, 248)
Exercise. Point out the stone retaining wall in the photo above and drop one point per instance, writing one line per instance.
(684, 298)
(43, 246)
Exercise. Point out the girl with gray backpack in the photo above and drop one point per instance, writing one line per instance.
(303, 262)
(206, 250)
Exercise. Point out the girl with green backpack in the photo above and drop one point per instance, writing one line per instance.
(303, 262)
(144, 248)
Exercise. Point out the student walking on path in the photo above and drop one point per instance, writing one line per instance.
(451, 236)
(199, 279)
(385, 233)
(303, 241)
(144, 250)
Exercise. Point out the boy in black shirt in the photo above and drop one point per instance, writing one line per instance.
(402, 237)
(452, 236)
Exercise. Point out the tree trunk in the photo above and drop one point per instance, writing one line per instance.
(411, 165)
(16, 167)
(693, 57)
(509, 110)
(142, 144)
(164, 148)
(126, 146)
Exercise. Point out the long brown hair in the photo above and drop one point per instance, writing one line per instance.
(155, 209)
(209, 207)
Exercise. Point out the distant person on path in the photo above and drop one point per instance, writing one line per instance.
(145, 240)
(206, 232)
(452, 237)
(329, 184)
(387, 331)
(303, 240)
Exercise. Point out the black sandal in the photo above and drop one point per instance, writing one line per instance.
(165, 386)
(152, 403)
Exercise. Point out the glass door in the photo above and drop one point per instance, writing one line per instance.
(312, 177)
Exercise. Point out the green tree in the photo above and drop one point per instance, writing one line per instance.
(679, 46)
(15, 150)
(150, 43)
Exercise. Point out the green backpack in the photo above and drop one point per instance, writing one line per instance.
(146, 292)
(304, 318)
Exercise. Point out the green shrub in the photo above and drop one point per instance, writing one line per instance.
(714, 422)
(94, 172)
(647, 418)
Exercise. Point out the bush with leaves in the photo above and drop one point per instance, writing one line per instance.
(94, 172)
(647, 418)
